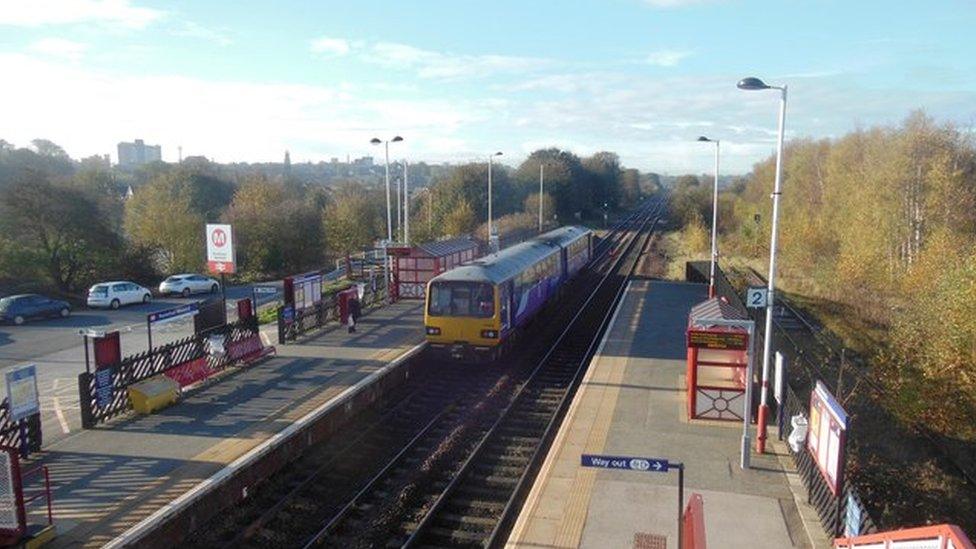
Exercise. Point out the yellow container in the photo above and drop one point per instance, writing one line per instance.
(153, 394)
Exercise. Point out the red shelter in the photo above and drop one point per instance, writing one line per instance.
(414, 266)
(718, 359)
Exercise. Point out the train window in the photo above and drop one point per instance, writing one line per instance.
(472, 299)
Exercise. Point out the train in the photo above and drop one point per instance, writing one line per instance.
(475, 311)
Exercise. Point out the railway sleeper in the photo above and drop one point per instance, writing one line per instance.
(454, 537)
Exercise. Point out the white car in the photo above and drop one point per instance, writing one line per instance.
(118, 293)
(186, 284)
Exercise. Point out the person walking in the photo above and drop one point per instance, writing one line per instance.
(354, 311)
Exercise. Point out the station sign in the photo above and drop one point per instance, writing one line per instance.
(826, 437)
(757, 297)
(265, 290)
(307, 290)
(714, 339)
(174, 314)
(651, 465)
(22, 393)
(220, 249)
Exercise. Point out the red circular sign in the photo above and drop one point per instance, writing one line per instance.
(218, 237)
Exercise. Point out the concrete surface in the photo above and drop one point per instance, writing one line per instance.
(109, 478)
(632, 403)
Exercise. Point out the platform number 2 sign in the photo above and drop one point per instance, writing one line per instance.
(756, 298)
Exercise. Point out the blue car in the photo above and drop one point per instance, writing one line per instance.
(18, 309)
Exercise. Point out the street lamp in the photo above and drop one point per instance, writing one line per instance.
(711, 273)
(406, 203)
(389, 218)
(752, 83)
(542, 179)
(492, 242)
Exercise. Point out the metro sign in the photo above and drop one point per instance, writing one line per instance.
(220, 249)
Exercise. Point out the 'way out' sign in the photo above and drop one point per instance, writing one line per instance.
(220, 249)
(653, 465)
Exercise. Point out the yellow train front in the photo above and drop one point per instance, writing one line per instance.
(474, 311)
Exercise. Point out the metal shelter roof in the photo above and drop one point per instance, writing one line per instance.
(715, 308)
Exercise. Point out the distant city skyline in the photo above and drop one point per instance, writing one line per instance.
(642, 78)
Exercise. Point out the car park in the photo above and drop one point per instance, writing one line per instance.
(117, 293)
(186, 284)
(18, 309)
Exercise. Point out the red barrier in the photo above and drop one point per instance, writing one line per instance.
(693, 523)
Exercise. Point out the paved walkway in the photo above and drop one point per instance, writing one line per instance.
(107, 479)
(632, 403)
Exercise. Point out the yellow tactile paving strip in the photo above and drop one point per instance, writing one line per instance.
(557, 508)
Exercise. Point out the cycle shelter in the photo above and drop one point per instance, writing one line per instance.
(718, 361)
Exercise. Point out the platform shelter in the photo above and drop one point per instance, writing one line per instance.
(718, 359)
(414, 266)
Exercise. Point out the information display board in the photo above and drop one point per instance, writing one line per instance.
(714, 339)
(307, 290)
(826, 436)
(22, 392)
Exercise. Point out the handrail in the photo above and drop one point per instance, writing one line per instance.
(941, 534)
(46, 493)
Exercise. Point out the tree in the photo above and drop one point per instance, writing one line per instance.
(45, 147)
(276, 232)
(60, 227)
(565, 180)
(353, 219)
(548, 206)
(460, 220)
(162, 216)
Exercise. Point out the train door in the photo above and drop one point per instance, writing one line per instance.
(563, 263)
(505, 305)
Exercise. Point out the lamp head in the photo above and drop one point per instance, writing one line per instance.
(397, 139)
(704, 139)
(499, 153)
(752, 83)
(375, 141)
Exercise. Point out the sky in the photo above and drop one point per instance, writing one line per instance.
(246, 81)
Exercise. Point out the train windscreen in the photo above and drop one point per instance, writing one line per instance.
(472, 299)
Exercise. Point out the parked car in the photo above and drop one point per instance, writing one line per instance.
(21, 308)
(118, 293)
(186, 284)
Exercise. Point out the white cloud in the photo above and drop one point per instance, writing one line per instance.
(59, 47)
(190, 29)
(666, 58)
(437, 65)
(36, 13)
(330, 46)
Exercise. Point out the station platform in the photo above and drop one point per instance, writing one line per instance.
(632, 403)
(108, 480)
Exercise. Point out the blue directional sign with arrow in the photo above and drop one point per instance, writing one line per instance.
(645, 464)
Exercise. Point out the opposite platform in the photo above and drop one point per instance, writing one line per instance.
(632, 403)
(108, 479)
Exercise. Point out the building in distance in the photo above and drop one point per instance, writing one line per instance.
(138, 153)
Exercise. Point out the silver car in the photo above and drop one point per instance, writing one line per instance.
(186, 284)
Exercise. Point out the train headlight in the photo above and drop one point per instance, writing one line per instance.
(489, 334)
(433, 331)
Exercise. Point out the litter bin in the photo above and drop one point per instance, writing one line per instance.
(344, 297)
(798, 435)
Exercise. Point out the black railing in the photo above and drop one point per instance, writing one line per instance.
(24, 434)
(320, 315)
(104, 394)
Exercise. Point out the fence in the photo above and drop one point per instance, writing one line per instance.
(104, 393)
(831, 509)
(321, 314)
(24, 435)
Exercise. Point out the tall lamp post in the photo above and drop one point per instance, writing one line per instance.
(542, 180)
(752, 83)
(711, 271)
(406, 204)
(492, 241)
(389, 217)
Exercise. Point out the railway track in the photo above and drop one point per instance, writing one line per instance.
(363, 487)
